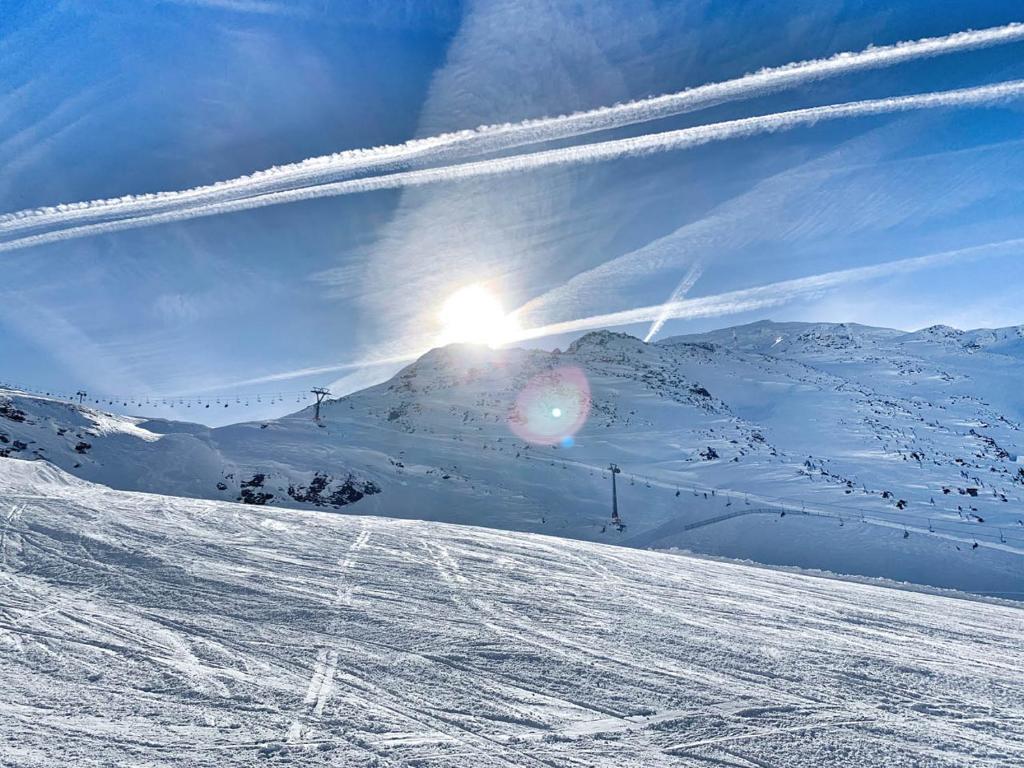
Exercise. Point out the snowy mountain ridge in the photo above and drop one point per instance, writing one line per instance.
(838, 335)
(835, 446)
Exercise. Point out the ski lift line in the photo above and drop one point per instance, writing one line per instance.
(793, 506)
(849, 509)
(143, 398)
(958, 535)
(961, 537)
(781, 502)
(107, 398)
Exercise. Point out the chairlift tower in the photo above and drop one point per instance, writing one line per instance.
(616, 520)
(81, 395)
(320, 393)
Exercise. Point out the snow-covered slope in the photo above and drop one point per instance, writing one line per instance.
(138, 629)
(891, 454)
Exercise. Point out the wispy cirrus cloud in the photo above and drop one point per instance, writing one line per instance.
(261, 7)
(89, 361)
(867, 183)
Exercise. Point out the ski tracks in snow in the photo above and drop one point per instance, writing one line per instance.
(208, 636)
(321, 683)
(9, 519)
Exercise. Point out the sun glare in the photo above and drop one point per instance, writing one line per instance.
(475, 315)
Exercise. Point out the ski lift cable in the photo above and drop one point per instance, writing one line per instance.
(154, 399)
(832, 510)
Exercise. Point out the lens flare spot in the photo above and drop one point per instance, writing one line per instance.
(552, 407)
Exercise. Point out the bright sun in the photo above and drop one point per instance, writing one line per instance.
(474, 315)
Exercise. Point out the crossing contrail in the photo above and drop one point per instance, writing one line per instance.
(770, 295)
(494, 138)
(692, 276)
(586, 153)
(731, 302)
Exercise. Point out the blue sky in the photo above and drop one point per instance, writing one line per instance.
(103, 99)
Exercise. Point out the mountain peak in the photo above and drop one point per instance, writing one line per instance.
(603, 338)
(941, 331)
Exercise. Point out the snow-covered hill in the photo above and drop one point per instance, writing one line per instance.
(891, 454)
(138, 629)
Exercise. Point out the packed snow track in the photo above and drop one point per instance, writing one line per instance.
(139, 629)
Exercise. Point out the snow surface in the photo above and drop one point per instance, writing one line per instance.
(139, 629)
(893, 455)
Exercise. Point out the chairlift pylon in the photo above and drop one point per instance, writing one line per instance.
(616, 520)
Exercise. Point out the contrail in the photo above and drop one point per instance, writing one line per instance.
(586, 153)
(732, 302)
(691, 277)
(764, 296)
(494, 138)
(311, 371)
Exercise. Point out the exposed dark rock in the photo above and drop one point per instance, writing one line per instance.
(349, 493)
(11, 413)
(255, 482)
(313, 493)
(319, 491)
(249, 496)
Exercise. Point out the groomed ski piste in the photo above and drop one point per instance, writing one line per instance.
(139, 629)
